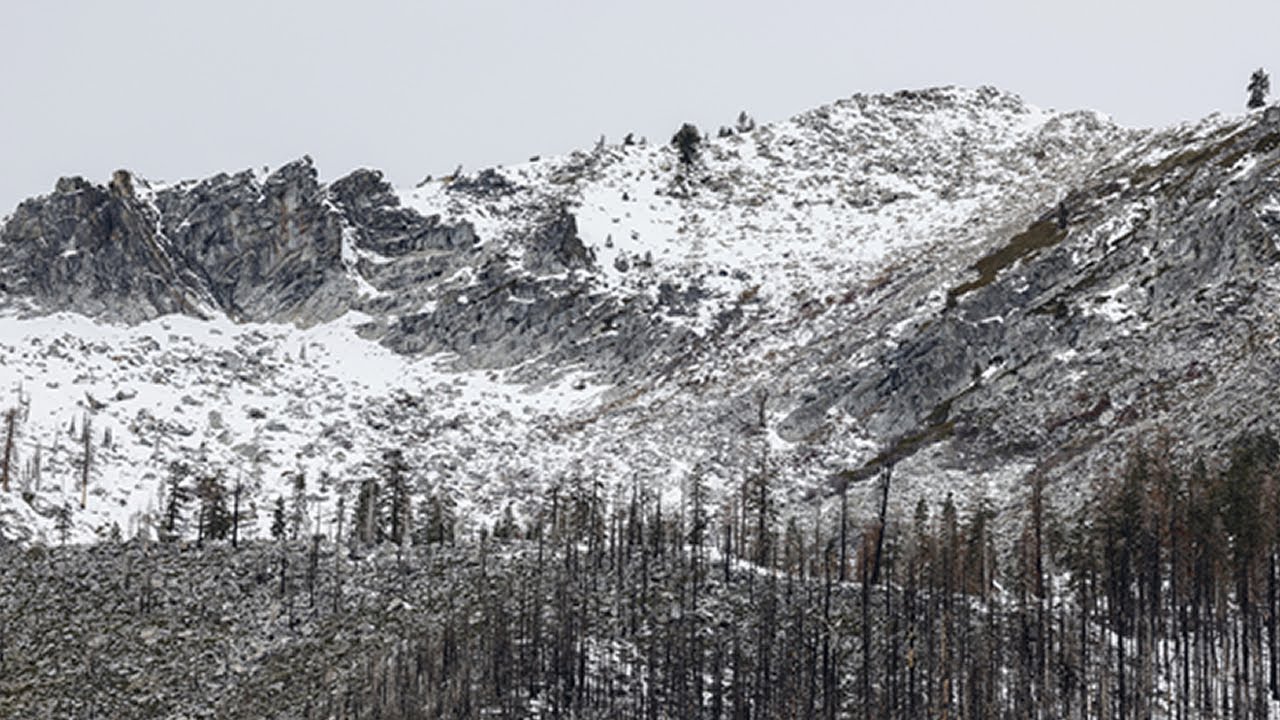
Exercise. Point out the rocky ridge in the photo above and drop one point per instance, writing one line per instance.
(972, 289)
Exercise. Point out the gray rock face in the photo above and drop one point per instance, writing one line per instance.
(1060, 348)
(269, 251)
(547, 306)
(556, 246)
(265, 252)
(95, 250)
(373, 211)
(289, 249)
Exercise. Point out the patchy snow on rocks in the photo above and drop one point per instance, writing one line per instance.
(947, 281)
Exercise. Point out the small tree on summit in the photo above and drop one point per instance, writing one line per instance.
(686, 141)
(1259, 88)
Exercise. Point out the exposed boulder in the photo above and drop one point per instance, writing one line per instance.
(555, 246)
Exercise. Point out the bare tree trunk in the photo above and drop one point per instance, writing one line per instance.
(844, 531)
(885, 476)
(235, 511)
(10, 420)
(88, 462)
(1273, 669)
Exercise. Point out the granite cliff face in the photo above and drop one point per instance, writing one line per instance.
(974, 290)
(285, 248)
(229, 244)
(95, 250)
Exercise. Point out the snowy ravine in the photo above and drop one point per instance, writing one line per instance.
(948, 280)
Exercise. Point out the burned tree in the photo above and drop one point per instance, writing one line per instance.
(7, 460)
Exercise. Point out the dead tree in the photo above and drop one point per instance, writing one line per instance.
(87, 463)
(235, 510)
(885, 475)
(6, 463)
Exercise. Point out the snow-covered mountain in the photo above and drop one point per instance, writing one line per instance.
(972, 289)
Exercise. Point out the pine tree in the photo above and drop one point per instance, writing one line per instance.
(948, 571)
(63, 523)
(757, 497)
(367, 523)
(86, 461)
(395, 473)
(214, 520)
(1259, 87)
(278, 522)
(886, 476)
(298, 517)
(236, 493)
(686, 142)
(438, 520)
(176, 497)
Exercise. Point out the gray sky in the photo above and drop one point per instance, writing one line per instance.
(174, 90)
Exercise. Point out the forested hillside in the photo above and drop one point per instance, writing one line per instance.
(1160, 601)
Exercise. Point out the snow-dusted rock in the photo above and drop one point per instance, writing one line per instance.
(949, 280)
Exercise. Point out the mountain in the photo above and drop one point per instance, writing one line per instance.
(973, 291)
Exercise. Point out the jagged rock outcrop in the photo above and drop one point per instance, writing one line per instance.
(265, 251)
(98, 251)
(255, 251)
(289, 249)
(382, 225)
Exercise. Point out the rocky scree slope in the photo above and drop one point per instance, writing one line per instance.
(949, 280)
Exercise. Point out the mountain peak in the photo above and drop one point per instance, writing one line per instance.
(947, 280)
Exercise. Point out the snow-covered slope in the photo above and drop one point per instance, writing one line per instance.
(264, 403)
(877, 280)
(792, 207)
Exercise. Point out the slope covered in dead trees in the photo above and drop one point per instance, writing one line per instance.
(1160, 601)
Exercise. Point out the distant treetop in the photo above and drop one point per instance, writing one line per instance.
(1259, 88)
(686, 141)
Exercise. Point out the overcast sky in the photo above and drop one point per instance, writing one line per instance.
(173, 91)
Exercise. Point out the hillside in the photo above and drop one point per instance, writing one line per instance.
(973, 290)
